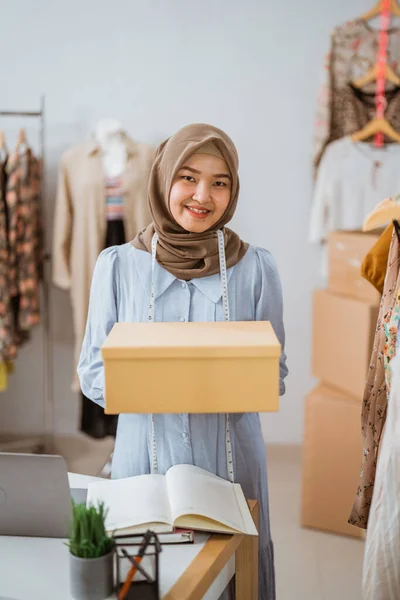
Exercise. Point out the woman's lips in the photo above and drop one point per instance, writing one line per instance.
(198, 215)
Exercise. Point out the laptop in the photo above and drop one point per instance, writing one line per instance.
(35, 497)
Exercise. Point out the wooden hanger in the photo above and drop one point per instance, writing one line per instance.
(372, 75)
(377, 9)
(372, 128)
(386, 211)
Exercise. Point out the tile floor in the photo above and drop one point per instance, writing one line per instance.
(310, 565)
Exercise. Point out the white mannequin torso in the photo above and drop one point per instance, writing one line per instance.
(110, 137)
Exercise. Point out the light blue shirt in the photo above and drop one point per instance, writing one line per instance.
(120, 292)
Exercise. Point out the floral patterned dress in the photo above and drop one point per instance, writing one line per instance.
(25, 240)
(390, 347)
(374, 406)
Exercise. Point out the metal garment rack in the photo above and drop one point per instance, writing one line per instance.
(43, 442)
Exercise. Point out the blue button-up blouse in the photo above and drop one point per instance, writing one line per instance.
(120, 292)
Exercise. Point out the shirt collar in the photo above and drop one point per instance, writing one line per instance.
(209, 286)
(131, 146)
(163, 277)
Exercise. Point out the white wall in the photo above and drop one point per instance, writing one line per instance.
(249, 67)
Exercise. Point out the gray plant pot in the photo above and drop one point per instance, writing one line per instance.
(91, 578)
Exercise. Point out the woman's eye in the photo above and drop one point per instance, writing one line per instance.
(220, 184)
(188, 178)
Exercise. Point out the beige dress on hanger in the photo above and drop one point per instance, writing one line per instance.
(80, 223)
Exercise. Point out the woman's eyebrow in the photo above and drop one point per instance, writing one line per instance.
(191, 170)
(220, 175)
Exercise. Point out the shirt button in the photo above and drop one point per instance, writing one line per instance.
(184, 435)
(182, 319)
(184, 285)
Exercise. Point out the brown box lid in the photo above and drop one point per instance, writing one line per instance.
(192, 340)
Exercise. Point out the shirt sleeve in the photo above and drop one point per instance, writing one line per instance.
(322, 199)
(62, 231)
(269, 304)
(102, 316)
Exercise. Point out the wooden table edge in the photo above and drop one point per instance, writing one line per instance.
(207, 565)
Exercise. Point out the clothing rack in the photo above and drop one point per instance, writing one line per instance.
(45, 441)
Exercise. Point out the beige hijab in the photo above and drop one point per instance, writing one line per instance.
(190, 255)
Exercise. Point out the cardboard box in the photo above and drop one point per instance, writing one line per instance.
(346, 252)
(343, 334)
(191, 368)
(332, 454)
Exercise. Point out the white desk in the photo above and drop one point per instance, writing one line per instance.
(38, 568)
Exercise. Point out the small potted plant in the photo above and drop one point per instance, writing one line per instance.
(91, 554)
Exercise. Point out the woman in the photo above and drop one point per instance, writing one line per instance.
(175, 271)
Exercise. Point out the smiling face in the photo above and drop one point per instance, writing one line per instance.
(200, 192)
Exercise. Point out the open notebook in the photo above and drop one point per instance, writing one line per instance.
(186, 497)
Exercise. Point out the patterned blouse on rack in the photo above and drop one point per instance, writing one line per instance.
(114, 199)
(342, 109)
(8, 349)
(25, 235)
(21, 246)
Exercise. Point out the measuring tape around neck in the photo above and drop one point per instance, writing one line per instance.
(227, 317)
(151, 319)
(152, 305)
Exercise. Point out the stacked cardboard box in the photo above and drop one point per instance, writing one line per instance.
(344, 321)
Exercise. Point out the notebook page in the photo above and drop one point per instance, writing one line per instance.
(132, 501)
(193, 492)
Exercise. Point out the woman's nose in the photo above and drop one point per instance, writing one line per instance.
(202, 193)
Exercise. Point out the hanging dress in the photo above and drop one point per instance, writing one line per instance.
(94, 421)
